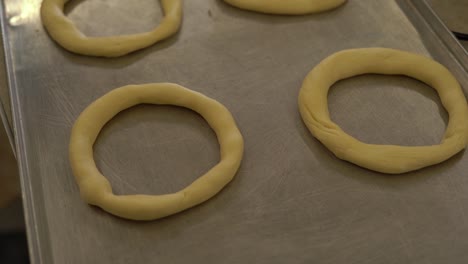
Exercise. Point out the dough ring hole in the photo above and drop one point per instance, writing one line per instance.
(172, 135)
(360, 106)
(65, 33)
(119, 18)
(94, 187)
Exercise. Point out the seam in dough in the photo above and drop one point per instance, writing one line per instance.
(95, 189)
(65, 33)
(391, 159)
(286, 7)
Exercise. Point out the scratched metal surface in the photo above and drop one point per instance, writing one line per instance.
(292, 200)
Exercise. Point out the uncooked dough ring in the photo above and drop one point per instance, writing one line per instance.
(96, 189)
(391, 159)
(64, 32)
(286, 7)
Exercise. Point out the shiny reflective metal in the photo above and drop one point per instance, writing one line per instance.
(292, 200)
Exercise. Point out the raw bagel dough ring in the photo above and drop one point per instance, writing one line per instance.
(390, 159)
(286, 7)
(95, 189)
(65, 33)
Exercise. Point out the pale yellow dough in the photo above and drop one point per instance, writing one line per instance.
(286, 7)
(96, 189)
(391, 159)
(65, 33)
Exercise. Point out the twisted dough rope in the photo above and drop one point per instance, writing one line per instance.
(286, 7)
(383, 158)
(95, 189)
(65, 33)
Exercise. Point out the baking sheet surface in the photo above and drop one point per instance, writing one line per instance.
(292, 200)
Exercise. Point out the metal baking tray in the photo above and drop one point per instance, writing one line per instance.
(292, 200)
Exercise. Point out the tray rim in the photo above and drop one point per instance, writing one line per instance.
(38, 252)
(3, 116)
